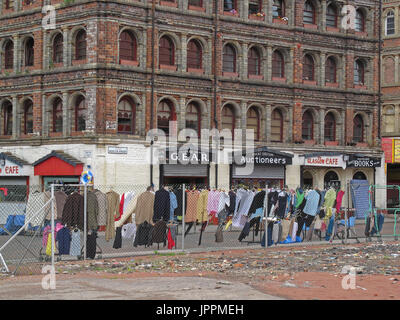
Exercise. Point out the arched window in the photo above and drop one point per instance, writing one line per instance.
(80, 114)
(80, 45)
(330, 128)
(9, 55)
(253, 122)
(331, 16)
(126, 116)
(167, 51)
(29, 52)
(194, 55)
(57, 113)
(8, 118)
(278, 9)
(331, 179)
(358, 129)
(28, 117)
(278, 65)
(127, 46)
(228, 118)
(308, 68)
(58, 48)
(307, 126)
(358, 72)
(330, 70)
(309, 13)
(165, 114)
(390, 24)
(360, 21)
(254, 62)
(193, 117)
(388, 119)
(359, 176)
(229, 59)
(276, 126)
(307, 180)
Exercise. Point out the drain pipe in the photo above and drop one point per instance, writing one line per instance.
(153, 9)
(215, 85)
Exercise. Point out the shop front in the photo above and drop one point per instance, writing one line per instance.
(268, 169)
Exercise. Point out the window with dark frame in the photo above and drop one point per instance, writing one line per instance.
(278, 9)
(230, 5)
(278, 65)
(58, 48)
(358, 129)
(309, 13)
(126, 116)
(331, 16)
(9, 4)
(330, 128)
(8, 118)
(57, 115)
(308, 68)
(254, 62)
(28, 117)
(229, 59)
(165, 114)
(360, 21)
(167, 51)
(390, 25)
(196, 3)
(228, 118)
(276, 126)
(255, 6)
(253, 122)
(80, 114)
(330, 70)
(359, 72)
(9, 55)
(307, 126)
(194, 55)
(29, 52)
(127, 46)
(193, 117)
(80, 45)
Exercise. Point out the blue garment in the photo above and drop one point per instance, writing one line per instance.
(359, 194)
(63, 238)
(380, 219)
(312, 203)
(259, 213)
(270, 226)
(173, 205)
(75, 247)
(321, 201)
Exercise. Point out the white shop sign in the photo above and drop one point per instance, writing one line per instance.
(325, 161)
(12, 169)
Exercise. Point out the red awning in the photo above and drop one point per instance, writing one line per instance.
(58, 163)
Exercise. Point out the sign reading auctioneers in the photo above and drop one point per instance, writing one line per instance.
(325, 161)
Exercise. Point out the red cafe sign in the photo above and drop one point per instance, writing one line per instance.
(325, 161)
(13, 169)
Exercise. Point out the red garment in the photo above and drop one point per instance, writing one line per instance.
(121, 207)
(171, 242)
(339, 198)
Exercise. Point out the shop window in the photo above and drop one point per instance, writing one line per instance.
(255, 6)
(278, 65)
(331, 16)
(307, 126)
(358, 72)
(229, 59)
(58, 48)
(278, 9)
(359, 176)
(228, 118)
(330, 128)
(29, 52)
(127, 46)
(194, 55)
(389, 24)
(307, 180)
(57, 113)
(254, 62)
(360, 21)
(126, 116)
(331, 180)
(230, 5)
(9, 55)
(309, 13)
(276, 126)
(167, 51)
(28, 117)
(80, 45)
(8, 118)
(165, 114)
(308, 68)
(330, 70)
(253, 122)
(193, 117)
(358, 129)
(80, 114)
(196, 3)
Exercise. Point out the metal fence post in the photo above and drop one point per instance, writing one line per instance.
(84, 221)
(53, 240)
(266, 219)
(183, 216)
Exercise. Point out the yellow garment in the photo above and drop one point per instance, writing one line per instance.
(202, 213)
(228, 224)
(48, 247)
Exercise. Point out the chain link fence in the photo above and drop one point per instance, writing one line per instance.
(115, 221)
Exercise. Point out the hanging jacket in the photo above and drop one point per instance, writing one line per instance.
(258, 202)
(312, 201)
(299, 197)
(173, 204)
(73, 212)
(159, 233)
(144, 207)
(202, 213)
(330, 197)
(339, 199)
(143, 234)
(161, 205)
(112, 212)
(92, 211)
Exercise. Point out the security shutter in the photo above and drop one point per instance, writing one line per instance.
(181, 170)
(260, 171)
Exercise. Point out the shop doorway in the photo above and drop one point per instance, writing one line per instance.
(359, 176)
(331, 179)
(188, 181)
(307, 180)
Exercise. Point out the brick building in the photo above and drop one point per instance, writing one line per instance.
(112, 70)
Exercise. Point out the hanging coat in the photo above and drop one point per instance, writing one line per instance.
(161, 205)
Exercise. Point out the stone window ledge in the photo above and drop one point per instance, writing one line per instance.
(195, 8)
(77, 62)
(129, 62)
(168, 67)
(256, 76)
(169, 4)
(195, 70)
(279, 79)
